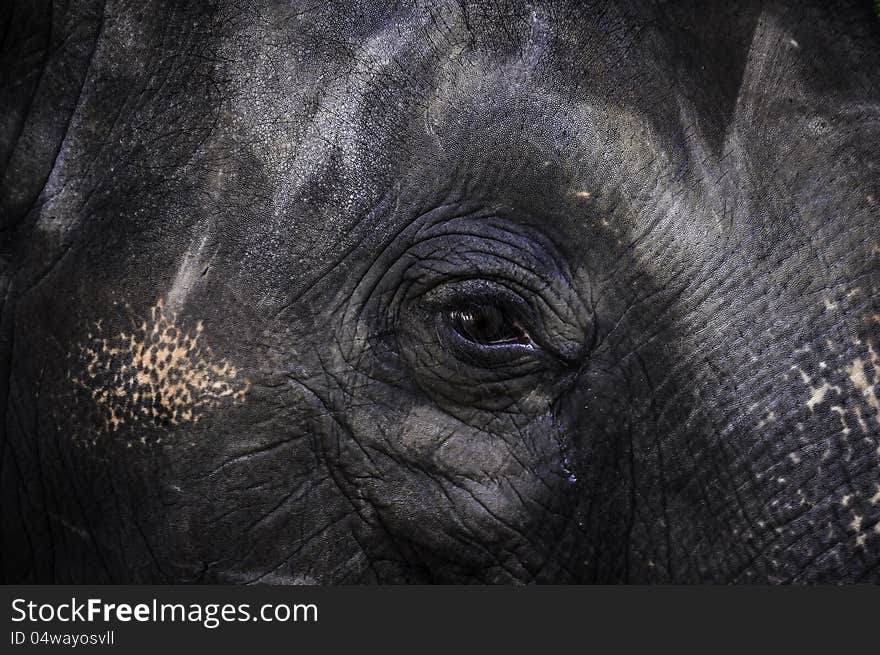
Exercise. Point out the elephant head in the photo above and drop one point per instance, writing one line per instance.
(440, 292)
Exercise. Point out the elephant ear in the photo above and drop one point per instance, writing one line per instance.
(46, 53)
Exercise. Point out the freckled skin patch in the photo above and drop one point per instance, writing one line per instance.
(846, 384)
(158, 374)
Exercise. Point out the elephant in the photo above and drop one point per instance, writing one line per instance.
(440, 292)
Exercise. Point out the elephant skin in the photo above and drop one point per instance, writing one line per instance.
(441, 292)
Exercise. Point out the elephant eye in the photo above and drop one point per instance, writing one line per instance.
(488, 325)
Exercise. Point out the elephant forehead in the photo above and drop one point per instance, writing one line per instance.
(415, 92)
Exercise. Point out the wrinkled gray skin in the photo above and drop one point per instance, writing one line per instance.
(250, 254)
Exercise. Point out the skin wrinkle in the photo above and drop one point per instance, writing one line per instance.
(88, 528)
(448, 235)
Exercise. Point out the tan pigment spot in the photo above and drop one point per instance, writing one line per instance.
(842, 380)
(160, 374)
(847, 388)
(859, 378)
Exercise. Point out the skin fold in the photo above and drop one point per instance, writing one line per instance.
(451, 292)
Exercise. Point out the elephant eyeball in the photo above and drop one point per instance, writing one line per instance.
(487, 325)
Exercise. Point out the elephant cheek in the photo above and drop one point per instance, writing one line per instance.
(158, 374)
(461, 502)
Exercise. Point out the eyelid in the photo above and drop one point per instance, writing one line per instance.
(450, 295)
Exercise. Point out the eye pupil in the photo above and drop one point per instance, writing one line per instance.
(488, 325)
